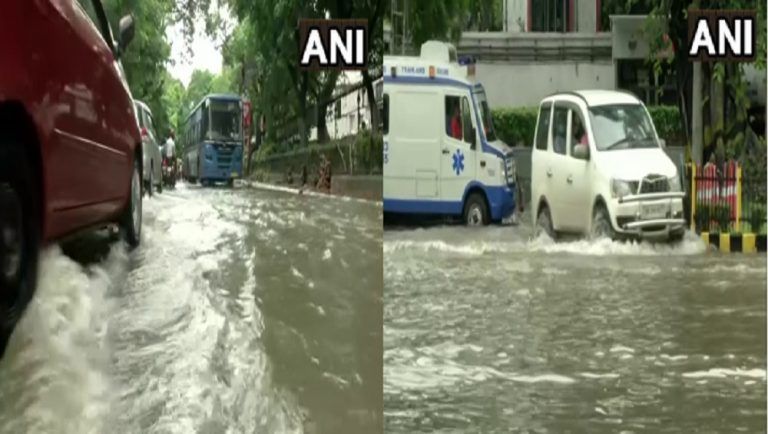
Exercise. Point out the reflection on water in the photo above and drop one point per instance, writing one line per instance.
(236, 315)
(488, 331)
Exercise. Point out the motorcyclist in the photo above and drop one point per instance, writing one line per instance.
(169, 153)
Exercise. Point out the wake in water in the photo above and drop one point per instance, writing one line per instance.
(478, 242)
(147, 341)
(54, 377)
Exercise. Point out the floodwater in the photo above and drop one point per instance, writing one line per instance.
(489, 331)
(243, 311)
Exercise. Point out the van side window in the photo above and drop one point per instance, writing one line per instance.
(578, 131)
(453, 119)
(560, 129)
(466, 120)
(542, 130)
(385, 113)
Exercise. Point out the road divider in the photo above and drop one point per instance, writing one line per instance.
(735, 242)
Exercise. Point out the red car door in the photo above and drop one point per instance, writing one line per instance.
(89, 161)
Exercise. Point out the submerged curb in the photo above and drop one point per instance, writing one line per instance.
(736, 243)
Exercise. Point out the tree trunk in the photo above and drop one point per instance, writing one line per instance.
(368, 82)
(697, 149)
(304, 80)
(326, 92)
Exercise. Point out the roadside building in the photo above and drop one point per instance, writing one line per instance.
(549, 46)
(349, 111)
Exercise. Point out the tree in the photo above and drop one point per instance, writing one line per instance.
(484, 15)
(726, 102)
(144, 62)
(436, 19)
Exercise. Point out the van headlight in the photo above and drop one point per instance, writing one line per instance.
(621, 188)
(674, 184)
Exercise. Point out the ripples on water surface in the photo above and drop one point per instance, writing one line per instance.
(486, 331)
(236, 315)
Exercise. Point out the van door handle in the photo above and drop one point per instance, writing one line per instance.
(549, 173)
(570, 179)
(482, 163)
(446, 151)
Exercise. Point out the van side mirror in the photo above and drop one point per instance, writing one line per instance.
(581, 151)
(127, 30)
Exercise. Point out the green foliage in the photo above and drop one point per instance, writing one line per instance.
(172, 102)
(757, 217)
(484, 15)
(668, 121)
(145, 59)
(721, 213)
(266, 150)
(666, 30)
(515, 126)
(436, 19)
(369, 151)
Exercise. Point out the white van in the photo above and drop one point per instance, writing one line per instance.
(599, 168)
(441, 154)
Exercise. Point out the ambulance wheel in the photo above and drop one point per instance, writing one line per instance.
(19, 238)
(476, 211)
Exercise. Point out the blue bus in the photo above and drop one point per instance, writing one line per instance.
(212, 140)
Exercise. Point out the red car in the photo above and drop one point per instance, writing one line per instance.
(70, 147)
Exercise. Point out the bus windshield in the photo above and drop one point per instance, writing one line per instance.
(485, 115)
(226, 119)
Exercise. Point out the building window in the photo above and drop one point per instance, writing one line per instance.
(551, 15)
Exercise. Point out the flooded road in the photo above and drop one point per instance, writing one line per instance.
(488, 331)
(243, 311)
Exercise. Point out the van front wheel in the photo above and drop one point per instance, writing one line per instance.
(601, 224)
(476, 211)
(544, 224)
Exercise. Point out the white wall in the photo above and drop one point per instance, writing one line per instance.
(525, 84)
(586, 16)
(515, 15)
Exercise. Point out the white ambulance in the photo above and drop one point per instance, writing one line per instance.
(441, 153)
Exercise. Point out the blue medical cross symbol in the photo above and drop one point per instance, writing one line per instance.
(458, 162)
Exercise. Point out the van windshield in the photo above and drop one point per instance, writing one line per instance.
(622, 126)
(485, 115)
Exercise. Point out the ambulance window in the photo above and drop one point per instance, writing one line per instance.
(385, 114)
(466, 120)
(453, 118)
(542, 131)
(559, 130)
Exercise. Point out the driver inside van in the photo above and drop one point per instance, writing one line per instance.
(579, 133)
(456, 123)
